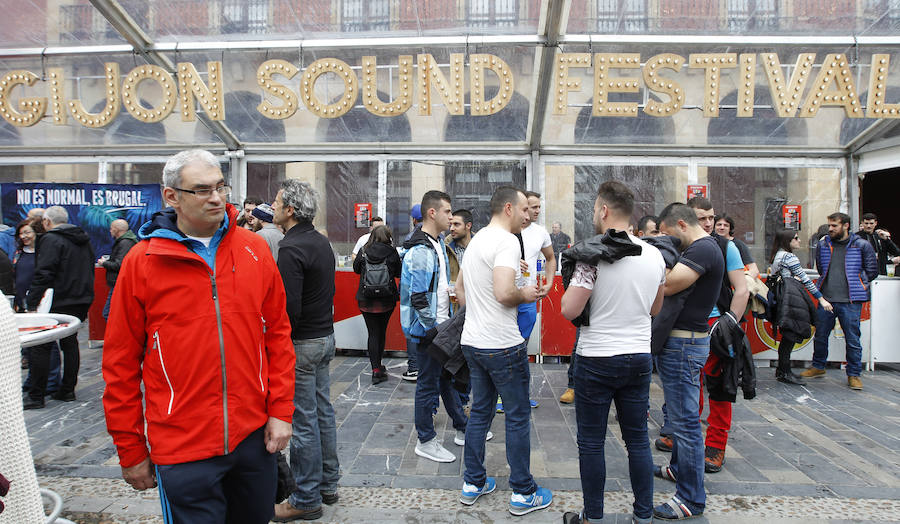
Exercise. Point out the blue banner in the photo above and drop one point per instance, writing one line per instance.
(91, 206)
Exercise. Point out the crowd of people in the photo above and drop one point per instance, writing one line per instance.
(220, 334)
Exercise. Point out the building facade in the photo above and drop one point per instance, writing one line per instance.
(759, 103)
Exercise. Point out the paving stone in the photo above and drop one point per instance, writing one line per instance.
(819, 454)
(388, 438)
(376, 464)
(356, 427)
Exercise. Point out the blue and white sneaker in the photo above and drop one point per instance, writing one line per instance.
(533, 403)
(471, 492)
(522, 504)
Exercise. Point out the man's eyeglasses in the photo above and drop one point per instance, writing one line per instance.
(223, 191)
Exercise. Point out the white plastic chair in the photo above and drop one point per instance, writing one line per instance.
(23, 502)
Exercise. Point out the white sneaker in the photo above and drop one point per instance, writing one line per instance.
(460, 438)
(433, 450)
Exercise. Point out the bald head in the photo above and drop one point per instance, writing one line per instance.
(118, 228)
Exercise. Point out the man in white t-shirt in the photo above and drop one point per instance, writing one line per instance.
(496, 354)
(376, 221)
(425, 303)
(614, 362)
(535, 242)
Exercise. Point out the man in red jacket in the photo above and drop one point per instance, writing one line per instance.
(198, 315)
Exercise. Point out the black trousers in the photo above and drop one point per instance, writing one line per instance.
(39, 369)
(376, 324)
(71, 353)
(784, 356)
(238, 488)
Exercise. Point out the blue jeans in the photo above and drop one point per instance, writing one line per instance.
(412, 363)
(599, 381)
(314, 460)
(665, 430)
(429, 386)
(847, 313)
(572, 364)
(108, 300)
(504, 372)
(680, 365)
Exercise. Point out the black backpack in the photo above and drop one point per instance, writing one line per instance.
(376, 279)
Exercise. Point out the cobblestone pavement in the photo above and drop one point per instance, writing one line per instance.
(820, 453)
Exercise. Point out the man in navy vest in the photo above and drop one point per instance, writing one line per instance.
(847, 264)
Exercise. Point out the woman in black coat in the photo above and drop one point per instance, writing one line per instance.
(793, 319)
(377, 305)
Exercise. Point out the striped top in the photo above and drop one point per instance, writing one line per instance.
(788, 265)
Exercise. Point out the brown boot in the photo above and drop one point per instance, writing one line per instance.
(813, 373)
(714, 459)
(568, 397)
(854, 383)
(286, 512)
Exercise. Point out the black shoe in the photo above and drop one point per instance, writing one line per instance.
(64, 396)
(571, 517)
(330, 498)
(30, 403)
(789, 378)
(378, 376)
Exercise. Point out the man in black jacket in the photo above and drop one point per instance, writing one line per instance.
(307, 269)
(885, 250)
(124, 241)
(65, 263)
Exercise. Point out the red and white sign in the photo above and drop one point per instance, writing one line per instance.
(792, 214)
(362, 214)
(697, 190)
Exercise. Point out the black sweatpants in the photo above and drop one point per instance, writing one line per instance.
(238, 488)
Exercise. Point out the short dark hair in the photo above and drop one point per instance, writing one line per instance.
(432, 199)
(377, 219)
(255, 200)
(676, 211)
(503, 195)
(642, 223)
(699, 202)
(617, 196)
(465, 214)
(869, 216)
(529, 194)
(843, 218)
(728, 219)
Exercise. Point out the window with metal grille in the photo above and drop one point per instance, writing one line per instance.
(245, 16)
(622, 16)
(365, 15)
(492, 13)
(751, 15)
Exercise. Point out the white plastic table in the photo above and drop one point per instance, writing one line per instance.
(41, 328)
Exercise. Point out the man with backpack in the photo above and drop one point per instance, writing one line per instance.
(847, 264)
(425, 303)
